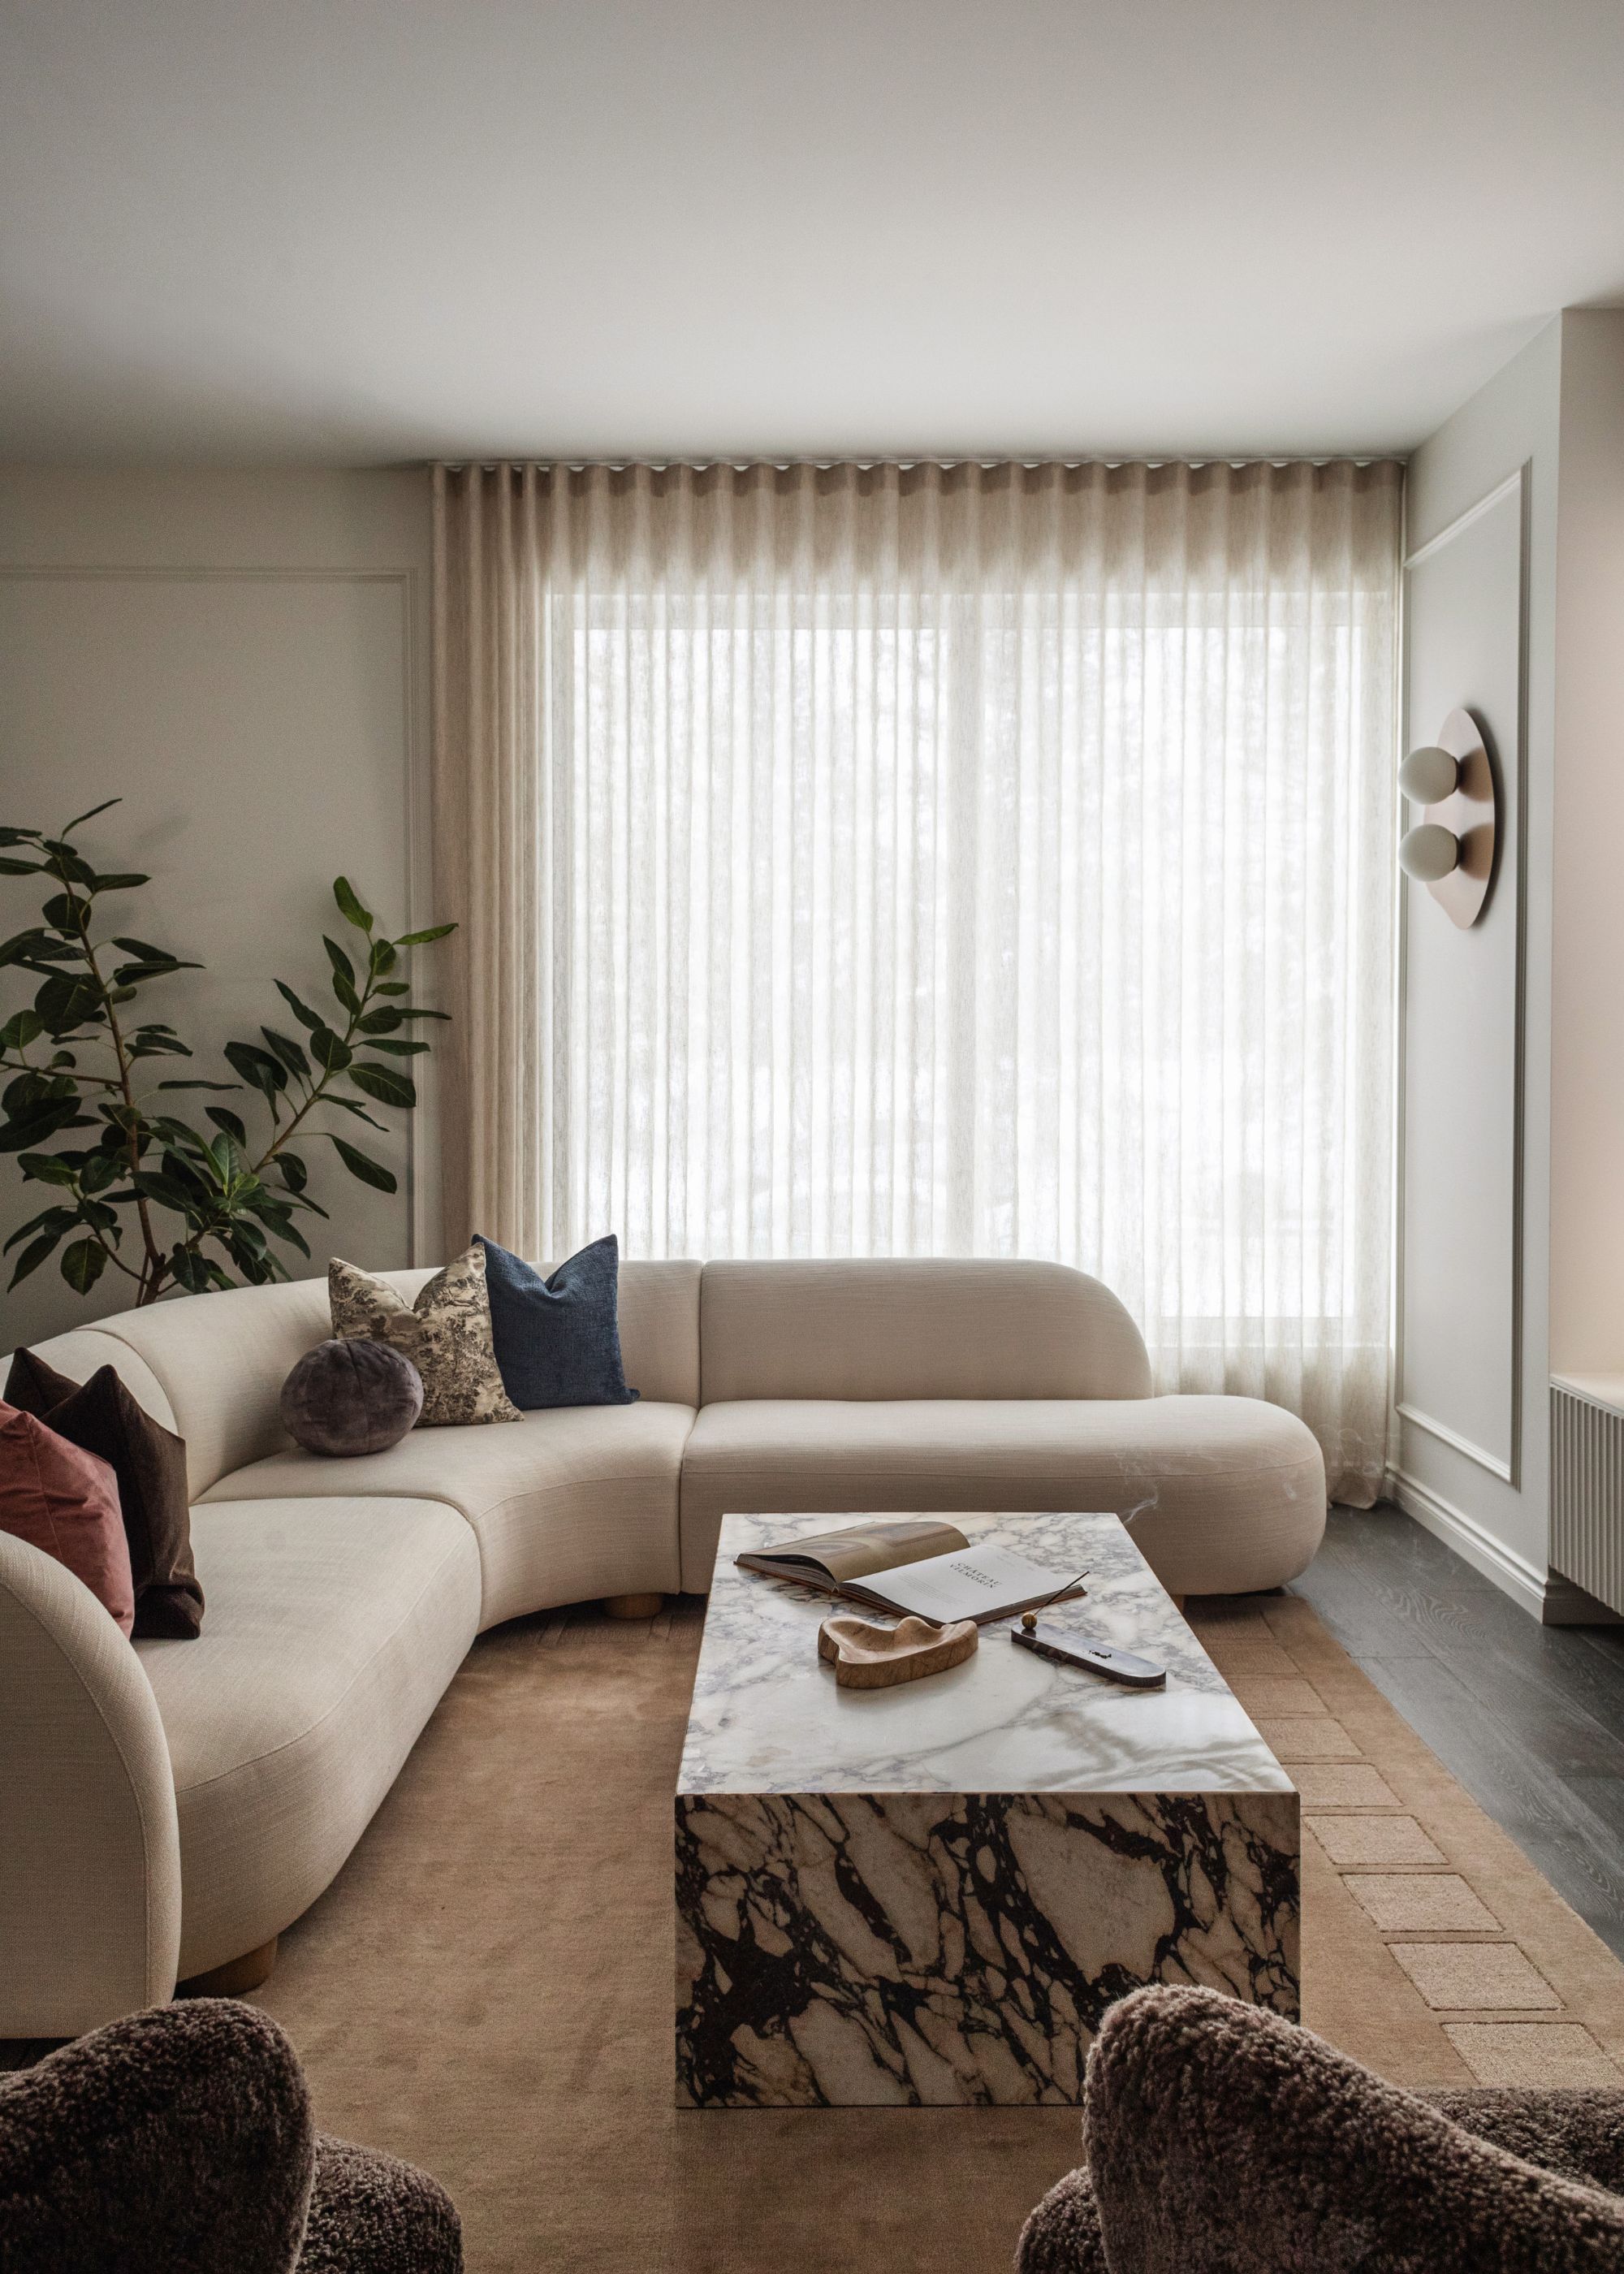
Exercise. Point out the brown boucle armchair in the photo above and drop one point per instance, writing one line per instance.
(1222, 2140)
(180, 2141)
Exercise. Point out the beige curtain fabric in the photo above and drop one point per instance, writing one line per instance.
(939, 860)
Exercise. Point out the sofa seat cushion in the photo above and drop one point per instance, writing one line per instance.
(335, 1626)
(567, 1504)
(1230, 1491)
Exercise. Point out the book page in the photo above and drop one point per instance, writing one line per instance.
(984, 1582)
(852, 1552)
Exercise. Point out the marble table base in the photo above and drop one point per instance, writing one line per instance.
(949, 1949)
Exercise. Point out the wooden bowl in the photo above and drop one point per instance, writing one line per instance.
(867, 1657)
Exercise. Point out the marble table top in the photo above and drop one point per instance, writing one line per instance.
(768, 1717)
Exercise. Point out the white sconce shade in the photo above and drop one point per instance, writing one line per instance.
(1430, 852)
(1429, 775)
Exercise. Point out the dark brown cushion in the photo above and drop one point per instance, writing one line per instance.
(106, 1418)
(351, 1397)
(1223, 2140)
(371, 2214)
(180, 2141)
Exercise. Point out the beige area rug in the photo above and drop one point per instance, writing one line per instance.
(487, 1988)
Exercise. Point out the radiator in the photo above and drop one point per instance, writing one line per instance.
(1587, 1485)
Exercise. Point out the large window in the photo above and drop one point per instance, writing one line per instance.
(968, 861)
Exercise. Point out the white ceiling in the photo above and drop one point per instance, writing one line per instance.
(360, 232)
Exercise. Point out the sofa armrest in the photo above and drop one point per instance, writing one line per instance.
(90, 1858)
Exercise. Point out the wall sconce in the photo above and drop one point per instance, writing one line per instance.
(1451, 849)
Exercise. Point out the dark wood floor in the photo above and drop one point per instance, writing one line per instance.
(1530, 1719)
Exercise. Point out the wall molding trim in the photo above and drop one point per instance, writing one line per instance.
(1484, 504)
(1445, 1435)
(1516, 485)
(1525, 1582)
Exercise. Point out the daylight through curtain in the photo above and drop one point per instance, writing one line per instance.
(939, 860)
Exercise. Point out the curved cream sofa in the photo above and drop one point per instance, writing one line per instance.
(169, 1806)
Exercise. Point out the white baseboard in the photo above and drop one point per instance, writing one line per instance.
(1512, 1573)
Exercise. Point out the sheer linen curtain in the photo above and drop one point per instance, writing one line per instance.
(868, 859)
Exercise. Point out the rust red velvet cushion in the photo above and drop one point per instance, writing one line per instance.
(104, 1418)
(61, 1498)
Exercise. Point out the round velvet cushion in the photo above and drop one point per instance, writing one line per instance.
(351, 1397)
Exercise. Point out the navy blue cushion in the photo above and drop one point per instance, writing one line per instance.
(557, 1340)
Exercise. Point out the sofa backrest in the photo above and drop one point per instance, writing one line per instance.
(212, 1366)
(219, 1361)
(895, 1327)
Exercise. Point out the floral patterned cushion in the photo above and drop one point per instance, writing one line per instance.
(446, 1334)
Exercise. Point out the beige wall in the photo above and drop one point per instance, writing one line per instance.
(1587, 1030)
(243, 659)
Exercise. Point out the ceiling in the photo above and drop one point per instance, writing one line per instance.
(367, 231)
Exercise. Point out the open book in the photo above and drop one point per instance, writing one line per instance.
(919, 1566)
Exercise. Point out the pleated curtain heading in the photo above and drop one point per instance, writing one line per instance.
(938, 859)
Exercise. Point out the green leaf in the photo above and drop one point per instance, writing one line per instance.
(46, 1121)
(168, 1191)
(396, 1050)
(20, 868)
(143, 952)
(119, 880)
(422, 938)
(257, 1067)
(346, 994)
(359, 1111)
(383, 958)
(136, 975)
(65, 1003)
(412, 1011)
(47, 1169)
(198, 1085)
(65, 863)
(362, 1165)
(28, 1090)
(384, 1083)
(295, 1175)
(305, 1016)
(288, 1052)
(35, 1253)
(392, 987)
(65, 914)
(147, 1043)
(83, 1264)
(194, 1274)
(21, 1029)
(105, 806)
(99, 1171)
(57, 1219)
(349, 907)
(329, 1051)
(383, 1022)
(224, 1119)
(342, 966)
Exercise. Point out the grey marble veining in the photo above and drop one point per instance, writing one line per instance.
(930, 1895)
(768, 1717)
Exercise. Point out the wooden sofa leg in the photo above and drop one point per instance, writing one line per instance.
(634, 1606)
(236, 1978)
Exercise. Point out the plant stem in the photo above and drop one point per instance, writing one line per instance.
(152, 1274)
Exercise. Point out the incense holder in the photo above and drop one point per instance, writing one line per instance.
(867, 1657)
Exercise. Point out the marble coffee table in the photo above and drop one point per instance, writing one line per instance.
(930, 1895)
